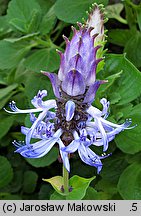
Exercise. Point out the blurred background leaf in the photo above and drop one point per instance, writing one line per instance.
(6, 172)
(24, 15)
(132, 175)
(44, 161)
(30, 181)
(73, 11)
(30, 32)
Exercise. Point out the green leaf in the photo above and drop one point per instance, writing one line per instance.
(30, 181)
(3, 6)
(139, 15)
(8, 196)
(7, 90)
(36, 82)
(48, 21)
(113, 167)
(119, 36)
(133, 158)
(5, 124)
(92, 194)
(106, 186)
(78, 184)
(77, 166)
(133, 49)
(57, 183)
(43, 59)
(17, 181)
(110, 174)
(130, 15)
(4, 27)
(6, 94)
(22, 14)
(128, 86)
(27, 121)
(122, 112)
(3, 77)
(11, 54)
(6, 99)
(21, 73)
(73, 11)
(45, 5)
(44, 161)
(23, 38)
(34, 23)
(104, 88)
(18, 24)
(45, 191)
(113, 11)
(129, 185)
(57, 196)
(6, 172)
(129, 140)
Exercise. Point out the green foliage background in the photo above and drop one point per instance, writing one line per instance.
(30, 32)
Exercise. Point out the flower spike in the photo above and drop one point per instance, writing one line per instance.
(71, 121)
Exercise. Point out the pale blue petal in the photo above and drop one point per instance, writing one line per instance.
(49, 104)
(24, 130)
(33, 127)
(39, 103)
(32, 118)
(16, 110)
(105, 104)
(72, 147)
(123, 126)
(69, 110)
(103, 133)
(35, 151)
(115, 131)
(64, 155)
(94, 112)
(37, 100)
(40, 148)
(89, 159)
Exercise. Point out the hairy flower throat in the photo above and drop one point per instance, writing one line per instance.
(75, 124)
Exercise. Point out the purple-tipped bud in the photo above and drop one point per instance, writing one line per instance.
(96, 20)
(78, 62)
(77, 72)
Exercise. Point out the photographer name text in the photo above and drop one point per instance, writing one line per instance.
(109, 207)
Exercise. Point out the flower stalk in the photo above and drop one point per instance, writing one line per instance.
(65, 180)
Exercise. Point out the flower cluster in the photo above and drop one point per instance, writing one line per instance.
(71, 121)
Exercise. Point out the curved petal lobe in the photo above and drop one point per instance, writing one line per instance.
(74, 83)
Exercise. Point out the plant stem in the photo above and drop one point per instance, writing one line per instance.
(120, 19)
(65, 180)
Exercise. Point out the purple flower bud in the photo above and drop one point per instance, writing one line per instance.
(77, 71)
